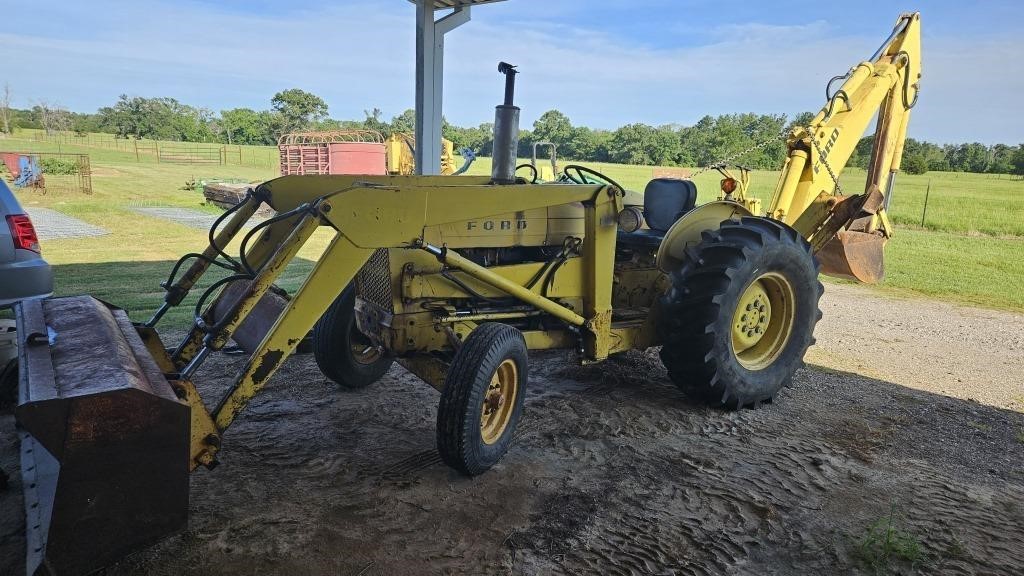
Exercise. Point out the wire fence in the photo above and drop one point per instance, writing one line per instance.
(47, 171)
(164, 151)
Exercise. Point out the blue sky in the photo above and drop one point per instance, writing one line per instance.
(603, 63)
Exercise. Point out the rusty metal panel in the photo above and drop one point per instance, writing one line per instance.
(250, 331)
(855, 256)
(104, 441)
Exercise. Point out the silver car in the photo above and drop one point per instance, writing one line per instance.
(23, 272)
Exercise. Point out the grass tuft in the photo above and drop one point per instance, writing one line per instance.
(885, 544)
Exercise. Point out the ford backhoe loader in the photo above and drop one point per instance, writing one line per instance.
(455, 278)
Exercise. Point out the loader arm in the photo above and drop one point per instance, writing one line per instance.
(848, 232)
(368, 214)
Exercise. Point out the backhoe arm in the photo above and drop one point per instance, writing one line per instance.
(808, 195)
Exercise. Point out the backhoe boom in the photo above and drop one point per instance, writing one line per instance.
(808, 195)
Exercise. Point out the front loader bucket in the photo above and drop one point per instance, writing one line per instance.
(105, 441)
(854, 255)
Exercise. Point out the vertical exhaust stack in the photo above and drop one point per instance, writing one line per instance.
(506, 131)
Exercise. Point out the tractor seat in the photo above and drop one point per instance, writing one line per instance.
(665, 201)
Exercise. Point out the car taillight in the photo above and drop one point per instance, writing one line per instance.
(23, 233)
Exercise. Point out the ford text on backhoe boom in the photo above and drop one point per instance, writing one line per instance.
(456, 278)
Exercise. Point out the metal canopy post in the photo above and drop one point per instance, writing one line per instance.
(430, 80)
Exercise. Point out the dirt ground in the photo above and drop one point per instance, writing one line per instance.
(614, 472)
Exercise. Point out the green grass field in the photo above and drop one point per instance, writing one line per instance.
(971, 249)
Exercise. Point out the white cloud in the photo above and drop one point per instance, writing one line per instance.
(359, 55)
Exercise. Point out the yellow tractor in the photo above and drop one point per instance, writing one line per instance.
(456, 278)
(401, 155)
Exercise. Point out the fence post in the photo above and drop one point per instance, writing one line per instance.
(136, 142)
(927, 192)
(156, 143)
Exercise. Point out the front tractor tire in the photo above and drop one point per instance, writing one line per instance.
(482, 399)
(741, 313)
(342, 352)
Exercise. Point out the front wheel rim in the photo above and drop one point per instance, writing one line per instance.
(499, 400)
(763, 321)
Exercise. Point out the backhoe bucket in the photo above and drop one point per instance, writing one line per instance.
(854, 255)
(105, 441)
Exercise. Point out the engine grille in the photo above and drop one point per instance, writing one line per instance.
(374, 280)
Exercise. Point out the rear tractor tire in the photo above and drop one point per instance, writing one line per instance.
(342, 352)
(482, 399)
(741, 313)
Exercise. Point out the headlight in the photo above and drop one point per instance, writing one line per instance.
(631, 219)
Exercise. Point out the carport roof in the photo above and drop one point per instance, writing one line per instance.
(447, 4)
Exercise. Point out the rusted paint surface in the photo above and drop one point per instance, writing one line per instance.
(106, 440)
(854, 255)
(266, 365)
(254, 327)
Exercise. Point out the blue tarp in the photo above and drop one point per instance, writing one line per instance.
(29, 172)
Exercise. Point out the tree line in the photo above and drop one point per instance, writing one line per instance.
(710, 139)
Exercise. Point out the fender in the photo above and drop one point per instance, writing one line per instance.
(688, 228)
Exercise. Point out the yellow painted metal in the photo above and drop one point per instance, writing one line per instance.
(528, 296)
(751, 318)
(499, 401)
(204, 437)
(763, 321)
(427, 282)
(427, 368)
(400, 158)
(415, 202)
(688, 229)
(267, 274)
(637, 287)
(384, 212)
(550, 339)
(814, 217)
(739, 195)
(793, 172)
(155, 347)
(537, 227)
(601, 217)
(523, 228)
(269, 255)
(338, 264)
(623, 338)
(887, 87)
(227, 232)
(488, 316)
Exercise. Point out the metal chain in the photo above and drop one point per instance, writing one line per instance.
(766, 142)
(731, 158)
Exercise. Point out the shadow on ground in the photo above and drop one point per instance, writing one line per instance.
(613, 471)
(135, 286)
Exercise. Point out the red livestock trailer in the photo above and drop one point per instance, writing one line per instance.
(333, 152)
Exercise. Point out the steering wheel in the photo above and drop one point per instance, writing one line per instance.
(531, 167)
(582, 178)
